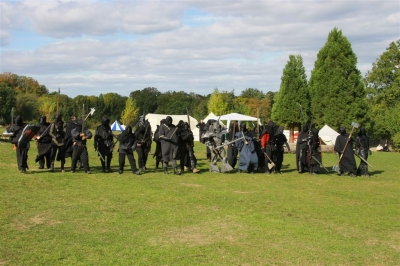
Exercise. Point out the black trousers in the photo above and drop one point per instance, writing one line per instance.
(131, 160)
(22, 158)
(143, 153)
(80, 153)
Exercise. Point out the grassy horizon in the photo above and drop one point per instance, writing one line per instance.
(198, 219)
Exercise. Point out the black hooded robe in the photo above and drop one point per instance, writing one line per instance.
(22, 152)
(347, 163)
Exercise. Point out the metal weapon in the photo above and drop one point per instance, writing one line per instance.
(188, 117)
(90, 113)
(58, 99)
(336, 167)
(83, 117)
(258, 127)
(271, 164)
(365, 161)
(230, 142)
(312, 156)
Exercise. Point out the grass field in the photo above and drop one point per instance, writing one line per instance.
(198, 219)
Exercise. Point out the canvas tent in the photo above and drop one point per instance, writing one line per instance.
(237, 117)
(328, 135)
(154, 120)
(117, 126)
(212, 116)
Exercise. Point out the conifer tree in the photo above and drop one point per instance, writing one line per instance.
(293, 96)
(336, 89)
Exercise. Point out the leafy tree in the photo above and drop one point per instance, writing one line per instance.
(47, 106)
(383, 90)
(22, 84)
(130, 114)
(174, 103)
(113, 106)
(293, 97)
(221, 103)
(7, 102)
(252, 93)
(336, 88)
(146, 99)
(200, 110)
(26, 106)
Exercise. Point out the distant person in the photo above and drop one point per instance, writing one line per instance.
(22, 152)
(186, 144)
(344, 147)
(248, 159)
(79, 150)
(44, 143)
(104, 144)
(232, 151)
(58, 142)
(170, 144)
(363, 150)
(127, 144)
(280, 140)
(201, 127)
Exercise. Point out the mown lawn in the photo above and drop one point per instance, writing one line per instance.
(198, 219)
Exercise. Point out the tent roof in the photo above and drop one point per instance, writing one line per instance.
(211, 115)
(237, 117)
(328, 135)
(116, 126)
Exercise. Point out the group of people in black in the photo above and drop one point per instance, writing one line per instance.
(249, 150)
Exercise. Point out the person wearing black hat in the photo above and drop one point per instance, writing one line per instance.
(158, 153)
(344, 147)
(22, 152)
(79, 149)
(363, 149)
(169, 136)
(58, 142)
(248, 159)
(103, 144)
(279, 140)
(127, 144)
(43, 142)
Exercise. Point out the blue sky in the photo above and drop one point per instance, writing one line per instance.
(90, 47)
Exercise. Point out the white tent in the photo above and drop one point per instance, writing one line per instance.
(237, 117)
(328, 135)
(154, 120)
(212, 116)
(117, 126)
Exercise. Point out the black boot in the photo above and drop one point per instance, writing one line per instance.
(62, 166)
(166, 170)
(103, 167)
(176, 172)
(51, 167)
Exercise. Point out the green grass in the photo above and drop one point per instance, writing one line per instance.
(198, 219)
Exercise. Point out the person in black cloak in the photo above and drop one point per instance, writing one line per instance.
(79, 150)
(363, 149)
(202, 130)
(186, 144)
(103, 144)
(58, 142)
(314, 151)
(158, 154)
(43, 143)
(248, 159)
(22, 152)
(268, 146)
(127, 144)
(301, 149)
(169, 137)
(232, 152)
(68, 127)
(344, 145)
(280, 139)
(142, 145)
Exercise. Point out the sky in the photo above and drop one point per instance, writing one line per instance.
(88, 47)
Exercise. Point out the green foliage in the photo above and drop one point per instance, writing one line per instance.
(174, 103)
(146, 99)
(27, 107)
(47, 106)
(221, 103)
(383, 90)
(336, 88)
(293, 93)
(130, 115)
(252, 93)
(7, 102)
(22, 84)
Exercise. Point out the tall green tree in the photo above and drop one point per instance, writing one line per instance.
(293, 101)
(252, 93)
(175, 103)
(7, 102)
(383, 90)
(337, 92)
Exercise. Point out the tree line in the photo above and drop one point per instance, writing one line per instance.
(335, 94)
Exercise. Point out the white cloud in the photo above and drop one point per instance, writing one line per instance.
(195, 46)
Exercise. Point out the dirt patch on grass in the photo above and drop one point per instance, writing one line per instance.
(39, 219)
(3, 262)
(205, 233)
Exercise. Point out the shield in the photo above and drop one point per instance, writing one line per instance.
(27, 134)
